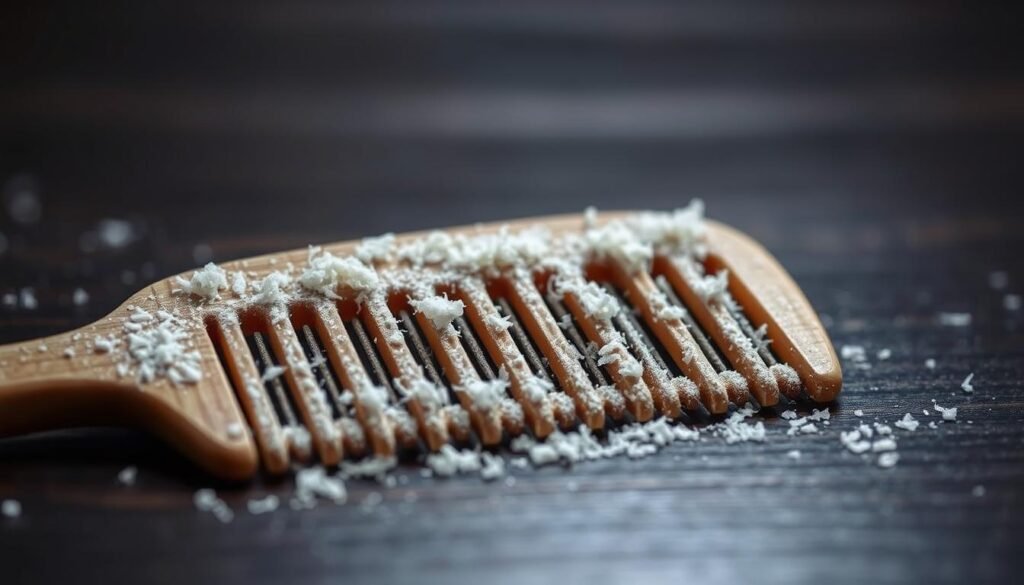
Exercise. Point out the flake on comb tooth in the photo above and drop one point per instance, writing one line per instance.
(616, 241)
(712, 287)
(440, 310)
(326, 272)
(596, 302)
(375, 248)
(498, 322)
(536, 389)
(486, 394)
(239, 284)
(272, 373)
(270, 291)
(206, 282)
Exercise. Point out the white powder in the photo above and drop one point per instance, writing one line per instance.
(966, 384)
(264, 505)
(998, 279)
(102, 344)
(887, 460)
(162, 349)
(908, 423)
(239, 284)
(271, 290)
(596, 302)
(205, 283)
(855, 442)
(115, 233)
(79, 297)
(883, 444)
(314, 482)
(1012, 302)
(858, 413)
(326, 272)
(439, 309)
(375, 467)
(671, 312)
(793, 454)
(884, 354)
(206, 500)
(496, 321)
(373, 249)
(28, 299)
(929, 363)
(10, 508)
(955, 319)
(948, 414)
(272, 373)
(713, 287)
(449, 461)
(486, 394)
(128, 475)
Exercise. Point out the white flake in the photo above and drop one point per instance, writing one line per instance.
(889, 459)
(908, 423)
(263, 505)
(79, 297)
(439, 310)
(127, 475)
(955, 319)
(10, 508)
(966, 385)
(326, 272)
(374, 249)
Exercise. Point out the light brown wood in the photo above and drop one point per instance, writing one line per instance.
(42, 389)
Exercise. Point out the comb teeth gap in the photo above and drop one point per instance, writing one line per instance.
(710, 350)
(526, 345)
(318, 363)
(482, 362)
(413, 336)
(570, 328)
(369, 356)
(280, 397)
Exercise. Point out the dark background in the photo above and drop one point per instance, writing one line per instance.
(874, 147)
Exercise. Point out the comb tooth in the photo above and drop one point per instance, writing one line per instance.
(678, 341)
(563, 357)
(710, 352)
(310, 400)
(426, 409)
(254, 400)
(614, 404)
(353, 438)
(460, 371)
(537, 407)
(295, 434)
(346, 362)
(667, 389)
(771, 298)
(602, 331)
(685, 276)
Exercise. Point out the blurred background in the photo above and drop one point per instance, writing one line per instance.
(874, 147)
(219, 130)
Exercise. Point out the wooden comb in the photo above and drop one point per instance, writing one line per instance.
(264, 376)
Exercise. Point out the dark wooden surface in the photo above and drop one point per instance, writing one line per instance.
(873, 147)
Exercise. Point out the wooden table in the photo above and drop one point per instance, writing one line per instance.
(874, 148)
